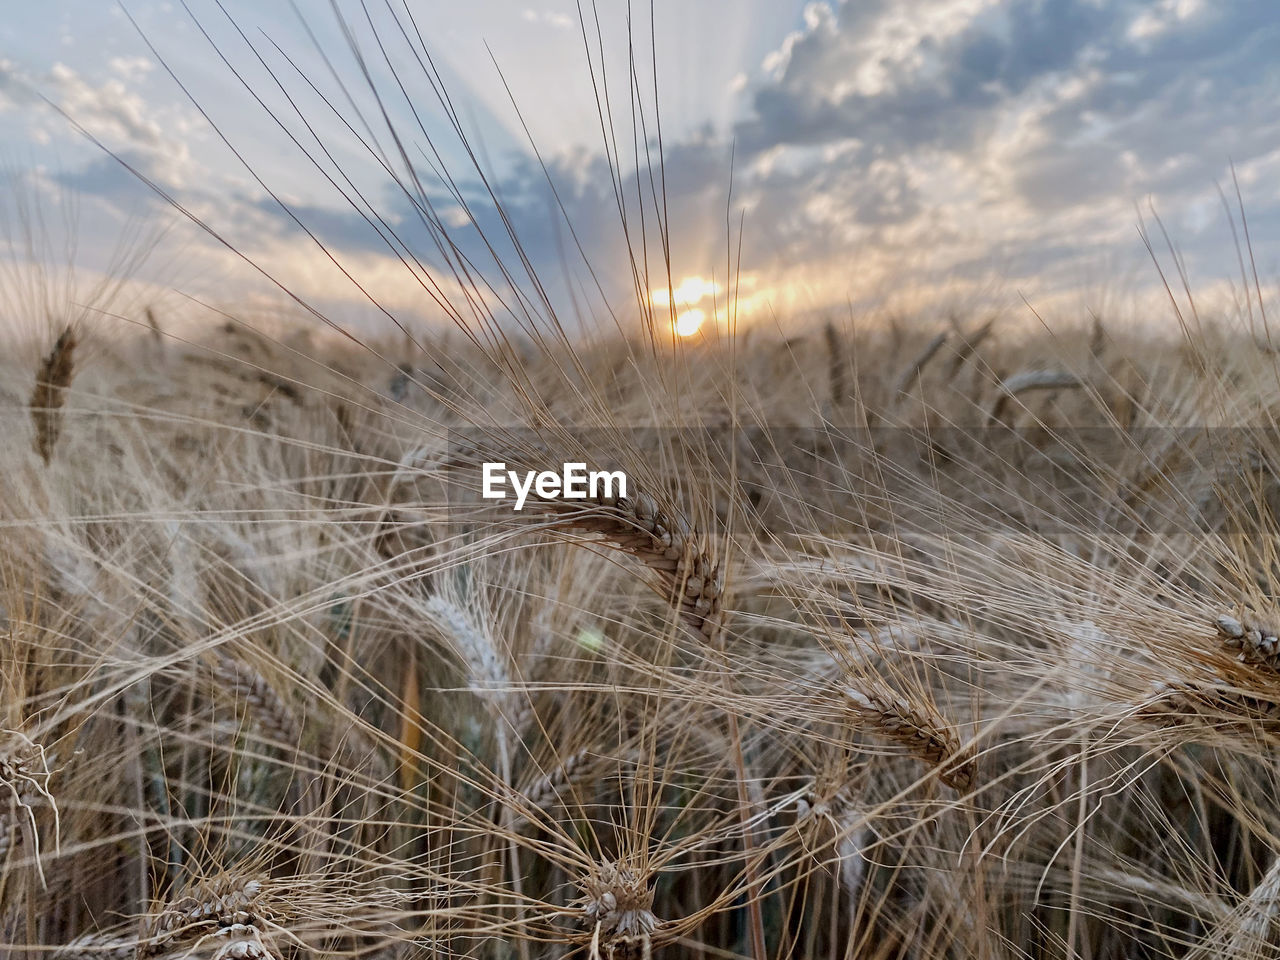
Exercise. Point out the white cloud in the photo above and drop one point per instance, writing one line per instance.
(552, 18)
(1162, 16)
(108, 109)
(130, 69)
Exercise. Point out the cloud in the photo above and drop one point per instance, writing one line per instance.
(552, 18)
(15, 87)
(951, 142)
(965, 142)
(961, 142)
(1021, 133)
(112, 110)
(109, 109)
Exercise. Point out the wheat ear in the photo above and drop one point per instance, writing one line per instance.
(1179, 703)
(548, 790)
(1262, 909)
(1252, 928)
(98, 946)
(910, 376)
(662, 539)
(914, 728)
(1258, 645)
(1027, 381)
(224, 907)
(617, 906)
(664, 542)
(241, 682)
(52, 380)
(838, 363)
(969, 344)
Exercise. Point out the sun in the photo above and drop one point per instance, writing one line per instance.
(684, 297)
(689, 322)
(688, 291)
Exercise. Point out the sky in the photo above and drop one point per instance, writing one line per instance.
(799, 159)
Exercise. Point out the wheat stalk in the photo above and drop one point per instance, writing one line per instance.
(24, 785)
(832, 798)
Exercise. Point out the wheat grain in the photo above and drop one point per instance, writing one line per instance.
(1259, 645)
(245, 943)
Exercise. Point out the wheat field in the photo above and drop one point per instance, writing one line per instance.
(950, 638)
(844, 676)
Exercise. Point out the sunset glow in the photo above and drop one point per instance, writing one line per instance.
(687, 292)
(690, 322)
